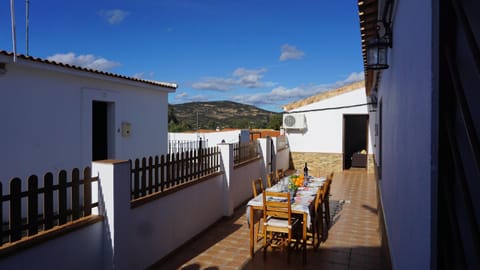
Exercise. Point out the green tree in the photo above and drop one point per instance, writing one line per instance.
(178, 127)
(275, 121)
(171, 115)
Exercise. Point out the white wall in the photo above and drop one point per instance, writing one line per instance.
(135, 238)
(282, 156)
(65, 252)
(142, 235)
(324, 131)
(46, 118)
(160, 226)
(213, 138)
(283, 159)
(242, 177)
(406, 95)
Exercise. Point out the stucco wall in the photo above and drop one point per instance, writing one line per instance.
(212, 138)
(64, 252)
(324, 131)
(241, 180)
(406, 95)
(46, 118)
(163, 225)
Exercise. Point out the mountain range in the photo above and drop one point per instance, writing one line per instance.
(220, 114)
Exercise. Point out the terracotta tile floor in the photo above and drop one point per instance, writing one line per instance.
(353, 240)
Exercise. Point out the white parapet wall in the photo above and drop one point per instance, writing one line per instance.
(213, 138)
(136, 236)
(76, 250)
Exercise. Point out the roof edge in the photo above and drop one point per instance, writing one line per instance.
(94, 71)
(324, 95)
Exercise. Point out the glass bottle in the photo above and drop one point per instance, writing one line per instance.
(305, 170)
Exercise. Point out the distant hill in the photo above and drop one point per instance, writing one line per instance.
(223, 114)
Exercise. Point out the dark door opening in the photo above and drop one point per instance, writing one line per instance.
(99, 130)
(355, 139)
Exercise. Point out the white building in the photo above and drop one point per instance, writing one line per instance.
(329, 128)
(427, 150)
(212, 137)
(57, 116)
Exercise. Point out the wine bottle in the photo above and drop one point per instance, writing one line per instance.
(305, 170)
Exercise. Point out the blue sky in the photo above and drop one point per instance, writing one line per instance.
(263, 53)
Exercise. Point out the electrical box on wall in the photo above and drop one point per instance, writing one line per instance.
(126, 129)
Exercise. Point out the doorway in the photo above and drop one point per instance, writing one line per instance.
(100, 130)
(355, 139)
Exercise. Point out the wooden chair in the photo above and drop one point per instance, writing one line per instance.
(271, 180)
(327, 184)
(279, 224)
(257, 188)
(317, 219)
(280, 174)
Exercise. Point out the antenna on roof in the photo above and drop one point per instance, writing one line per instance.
(27, 11)
(14, 38)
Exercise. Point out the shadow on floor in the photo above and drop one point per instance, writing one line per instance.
(200, 243)
(323, 258)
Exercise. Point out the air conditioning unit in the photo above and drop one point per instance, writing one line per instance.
(294, 121)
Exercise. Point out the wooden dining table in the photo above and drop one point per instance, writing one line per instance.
(303, 204)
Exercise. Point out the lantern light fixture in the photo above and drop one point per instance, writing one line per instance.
(377, 48)
(377, 54)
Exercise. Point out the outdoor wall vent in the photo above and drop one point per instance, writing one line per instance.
(294, 121)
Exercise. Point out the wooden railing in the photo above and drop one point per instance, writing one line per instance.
(158, 174)
(245, 151)
(59, 204)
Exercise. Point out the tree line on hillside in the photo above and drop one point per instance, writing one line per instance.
(175, 124)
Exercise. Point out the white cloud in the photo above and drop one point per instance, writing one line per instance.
(290, 52)
(181, 95)
(114, 16)
(241, 77)
(281, 95)
(214, 84)
(195, 98)
(353, 77)
(84, 60)
(144, 75)
(275, 98)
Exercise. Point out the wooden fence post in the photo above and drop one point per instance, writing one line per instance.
(15, 209)
(48, 200)
(32, 205)
(62, 197)
(87, 191)
(75, 194)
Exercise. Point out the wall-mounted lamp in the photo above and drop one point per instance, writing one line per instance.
(377, 54)
(377, 48)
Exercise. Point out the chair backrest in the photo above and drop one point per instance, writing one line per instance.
(330, 177)
(280, 174)
(257, 186)
(281, 207)
(271, 180)
(320, 197)
(328, 182)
